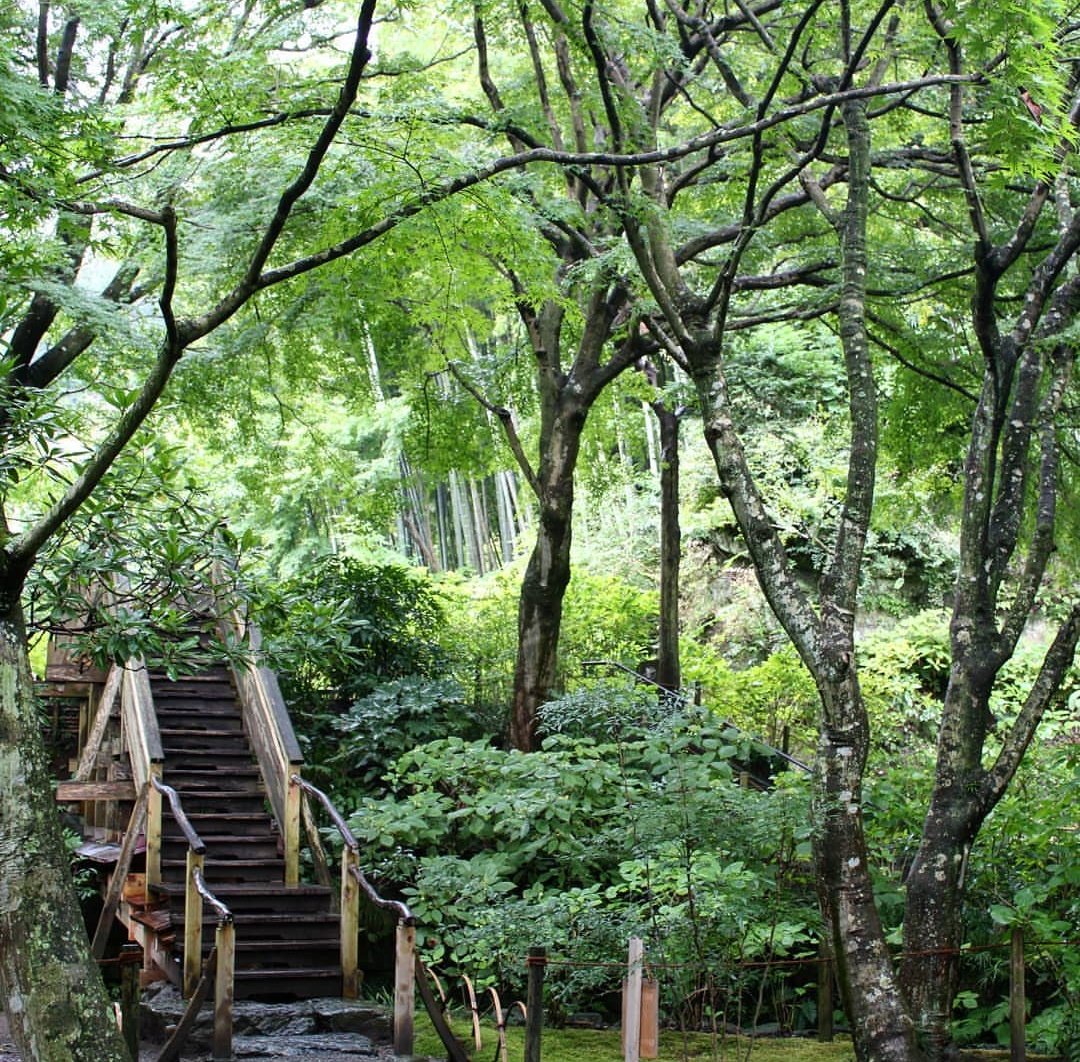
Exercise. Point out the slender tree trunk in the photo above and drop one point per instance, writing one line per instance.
(668, 673)
(546, 579)
(53, 994)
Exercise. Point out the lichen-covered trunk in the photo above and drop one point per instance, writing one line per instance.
(546, 579)
(880, 1026)
(53, 994)
(933, 930)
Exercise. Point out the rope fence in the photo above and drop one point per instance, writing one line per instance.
(641, 995)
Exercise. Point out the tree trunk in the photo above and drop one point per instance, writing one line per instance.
(53, 994)
(546, 579)
(668, 673)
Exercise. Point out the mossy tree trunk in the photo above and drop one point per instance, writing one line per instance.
(55, 1000)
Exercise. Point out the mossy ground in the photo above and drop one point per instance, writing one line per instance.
(604, 1045)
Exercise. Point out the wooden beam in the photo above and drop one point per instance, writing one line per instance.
(116, 884)
(101, 720)
(70, 792)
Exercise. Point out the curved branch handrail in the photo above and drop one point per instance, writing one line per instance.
(195, 842)
(400, 908)
(225, 916)
(335, 815)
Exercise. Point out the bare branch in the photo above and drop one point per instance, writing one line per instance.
(506, 418)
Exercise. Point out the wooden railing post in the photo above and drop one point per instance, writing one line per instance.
(291, 829)
(824, 995)
(153, 829)
(193, 904)
(1017, 1001)
(404, 984)
(534, 1018)
(225, 940)
(350, 923)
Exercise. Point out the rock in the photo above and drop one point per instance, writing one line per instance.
(307, 1029)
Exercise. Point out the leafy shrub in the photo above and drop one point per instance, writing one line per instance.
(636, 827)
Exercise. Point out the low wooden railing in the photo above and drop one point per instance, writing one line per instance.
(353, 883)
(267, 722)
(139, 727)
(196, 892)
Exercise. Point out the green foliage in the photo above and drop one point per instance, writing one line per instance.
(355, 644)
(626, 821)
(140, 569)
(604, 618)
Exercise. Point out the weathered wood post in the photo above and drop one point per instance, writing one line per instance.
(130, 964)
(404, 983)
(193, 924)
(632, 1001)
(534, 1019)
(649, 1034)
(824, 995)
(223, 989)
(350, 923)
(1017, 1002)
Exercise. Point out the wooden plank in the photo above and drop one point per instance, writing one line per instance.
(116, 883)
(69, 792)
(101, 721)
(454, 1051)
(404, 982)
(649, 1038)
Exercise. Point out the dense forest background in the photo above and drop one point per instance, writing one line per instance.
(749, 329)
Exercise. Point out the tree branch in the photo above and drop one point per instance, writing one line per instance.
(506, 418)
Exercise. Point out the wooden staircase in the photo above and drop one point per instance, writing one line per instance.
(287, 938)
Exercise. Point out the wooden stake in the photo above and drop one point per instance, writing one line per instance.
(1017, 1002)
(632, 1001)
(534, 1023)
(824, 995)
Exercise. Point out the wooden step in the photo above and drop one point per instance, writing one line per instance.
(221, 872)
(263, 899)
(209, 824)
(224, 851)
(242, 779)
(288, 983)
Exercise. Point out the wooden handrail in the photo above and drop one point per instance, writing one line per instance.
(352, 883)
(142, 737)
(399, 907)
(195, 842)
(225, 916)
(335, 815)
(266, 719)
